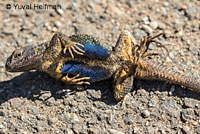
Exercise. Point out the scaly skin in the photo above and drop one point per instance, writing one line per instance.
(82, 59)
(78, 59)
(151, 71)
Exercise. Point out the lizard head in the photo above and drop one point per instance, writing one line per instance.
(24, 59)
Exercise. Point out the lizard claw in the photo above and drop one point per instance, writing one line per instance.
(75, 80)
(145, 42)
(74, 47)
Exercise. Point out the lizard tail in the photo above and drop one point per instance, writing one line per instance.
(148, 70)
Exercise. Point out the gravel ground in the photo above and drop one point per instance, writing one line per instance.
(32, 102)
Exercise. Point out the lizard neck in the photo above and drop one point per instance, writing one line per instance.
(50, 55)
(37, 56)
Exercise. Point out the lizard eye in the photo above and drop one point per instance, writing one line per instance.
(18, 54)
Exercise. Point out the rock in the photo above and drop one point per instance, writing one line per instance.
(129, 120)
(154, 24)
(2, 113)
(113, 131)
(138, 33)
(191, 11)
(172, 90)
(187, 114)
(147, 28)
(146, 20)
(15, 102)
(145, 113)
(187, 130)
(71, 118)
(189, 102)
(58, 24)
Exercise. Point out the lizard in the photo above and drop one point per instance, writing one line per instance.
(82, 59)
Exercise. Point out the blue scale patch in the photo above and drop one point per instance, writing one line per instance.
(92, 46)
(95, 51)
(84, 71)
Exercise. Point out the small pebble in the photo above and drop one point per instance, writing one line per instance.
(113, 131)
(166, 4)
(172, 90)
(154, 24)
(188, 42)
(58, 24)
(183, 7)
(147, 28)
(145, 113)
(186, 130)
(145, 20)
(1, 127)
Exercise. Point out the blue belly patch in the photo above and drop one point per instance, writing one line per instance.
(95, 74)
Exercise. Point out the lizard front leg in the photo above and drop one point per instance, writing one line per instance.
(67, 44)
(81, 44)
(127, 50)
(93, 48)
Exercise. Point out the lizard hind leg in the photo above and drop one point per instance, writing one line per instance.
(145, 42)
(75, 80)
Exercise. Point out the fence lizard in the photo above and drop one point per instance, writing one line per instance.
(82, 59)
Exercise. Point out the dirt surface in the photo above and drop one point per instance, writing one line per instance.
(32, 102)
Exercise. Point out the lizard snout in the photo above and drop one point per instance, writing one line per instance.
(8, 64)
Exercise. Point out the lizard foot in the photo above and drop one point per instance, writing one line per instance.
(74, 47)
(75, 80)
(67, 44)
(145, 42)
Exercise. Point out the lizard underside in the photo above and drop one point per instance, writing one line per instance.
(82, 59)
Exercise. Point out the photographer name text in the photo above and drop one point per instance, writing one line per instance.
(36, 6)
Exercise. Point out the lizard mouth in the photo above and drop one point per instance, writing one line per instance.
(11, 65)
(7, 65)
